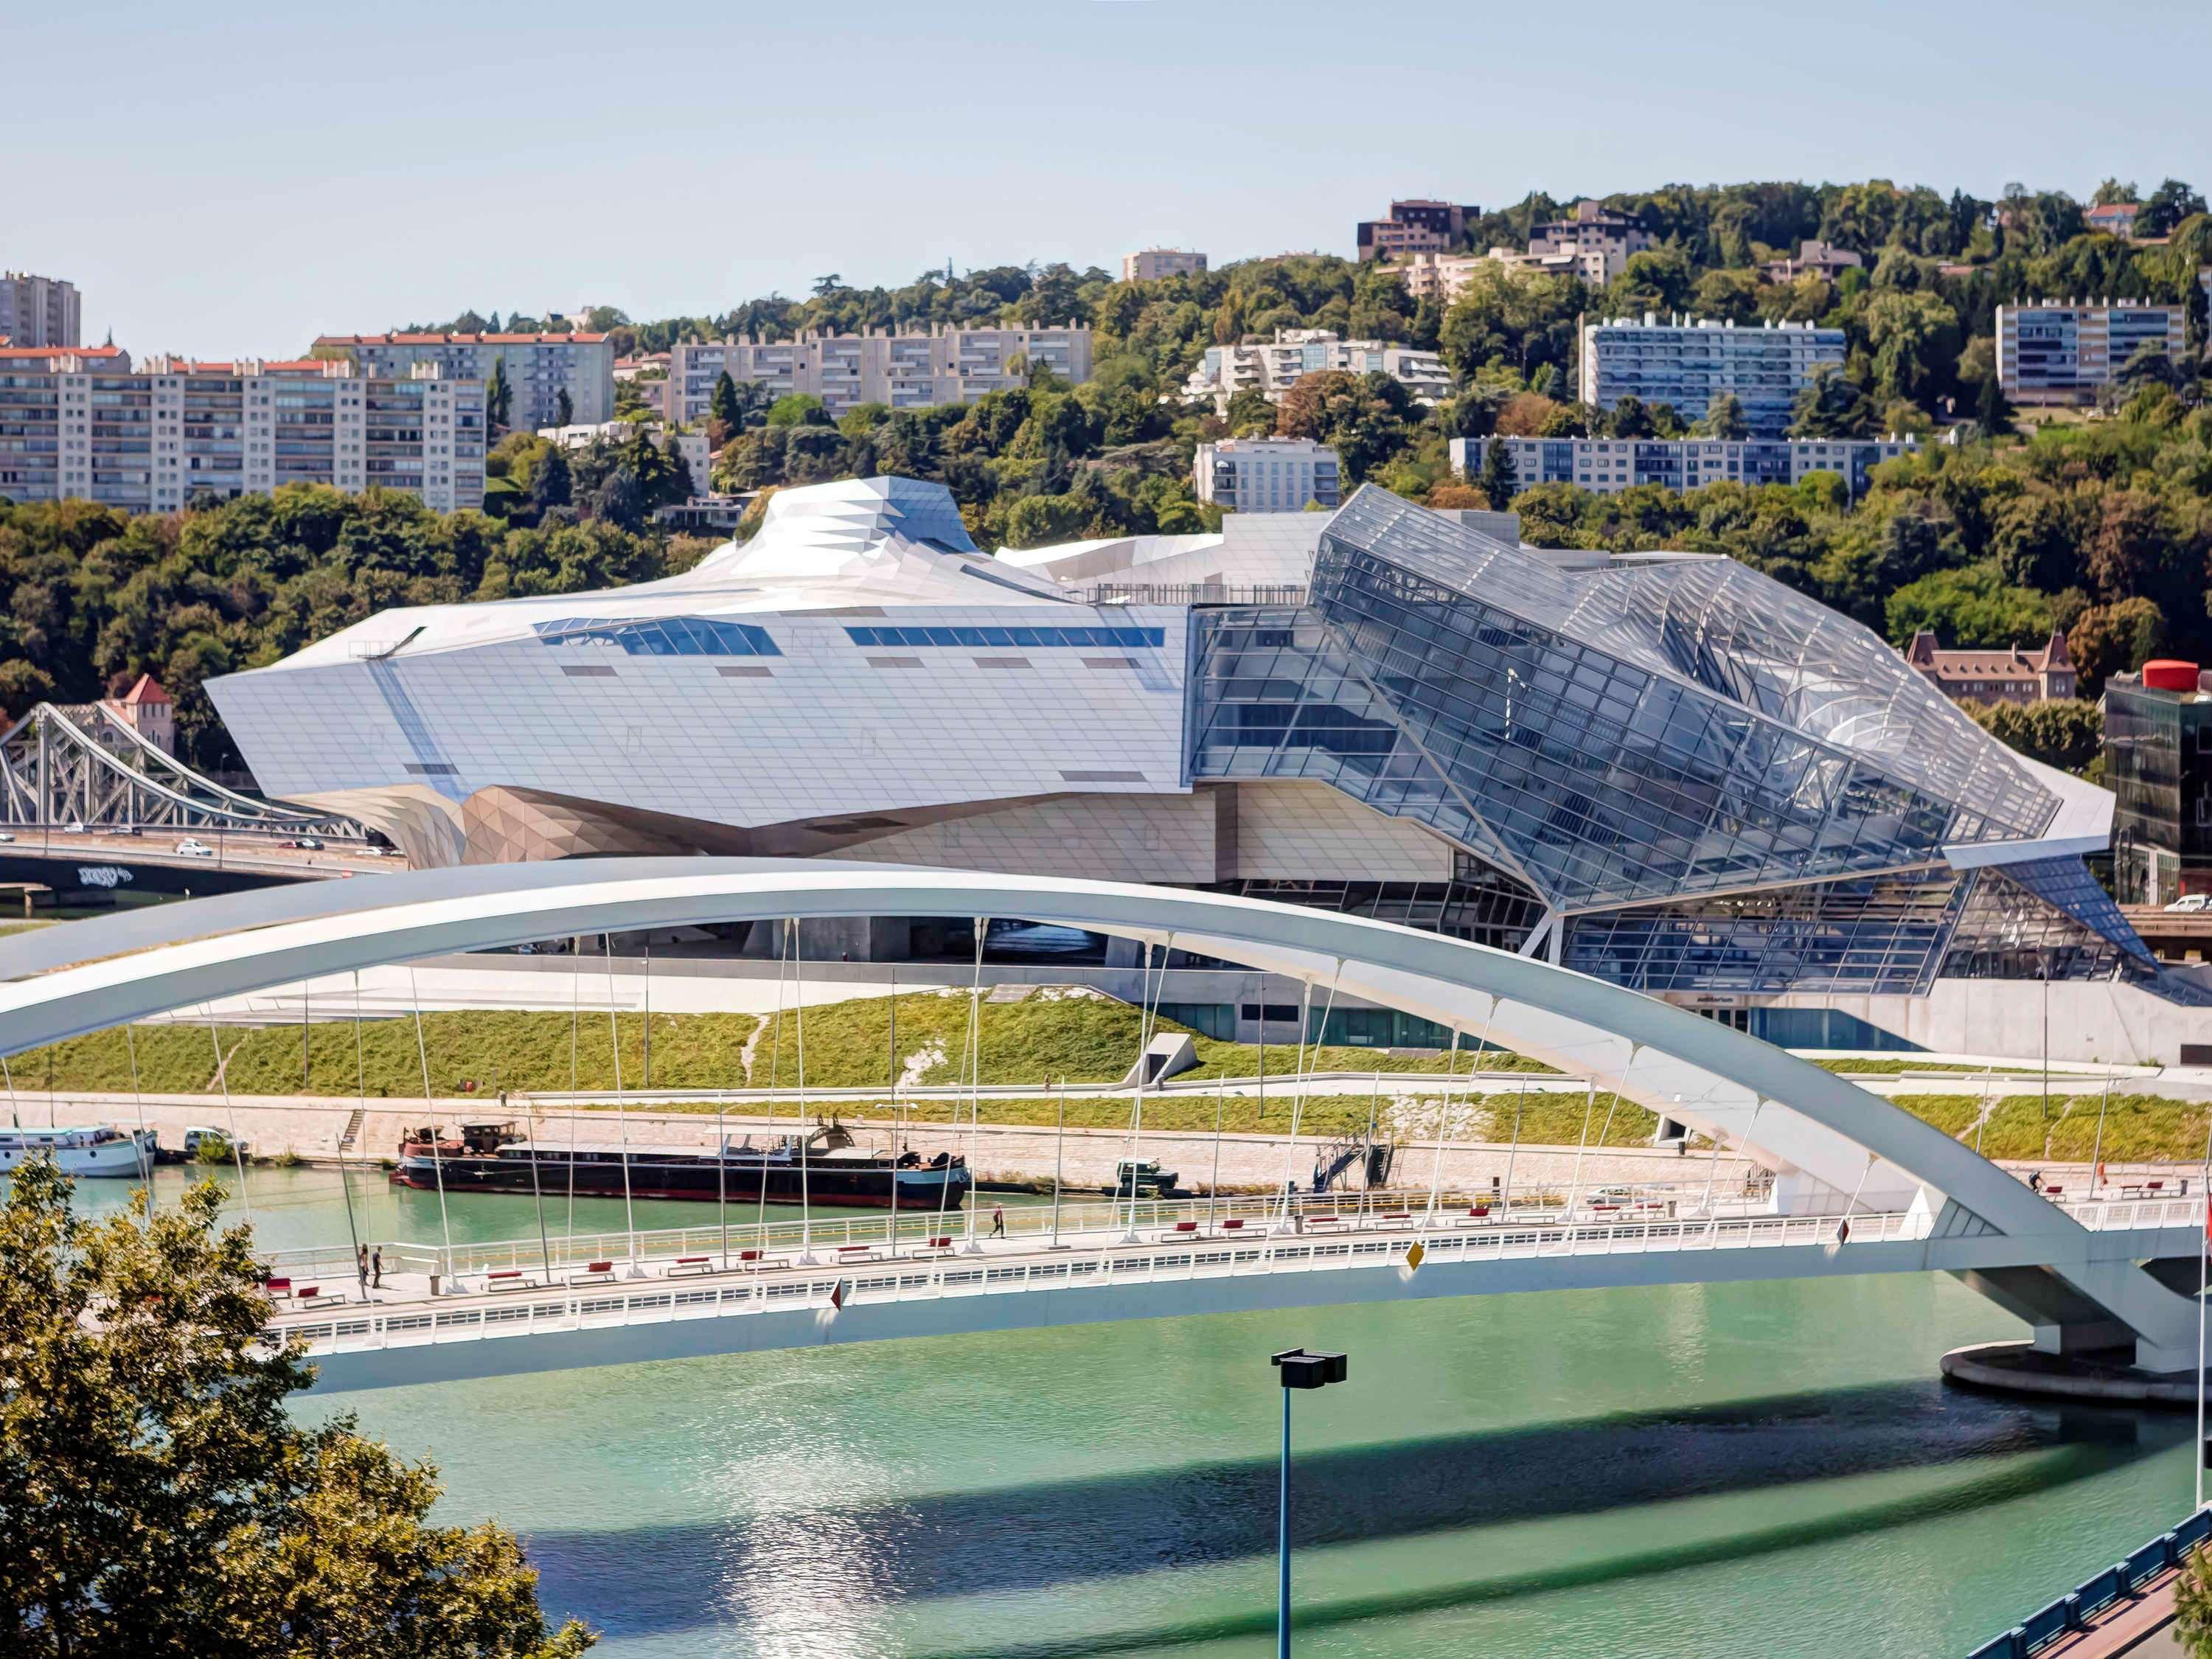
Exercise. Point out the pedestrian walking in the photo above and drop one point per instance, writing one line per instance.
(360, 1267)
(2035, 1181)
(376, 1269)
(997, 1221)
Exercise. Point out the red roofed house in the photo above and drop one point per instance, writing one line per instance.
(2117, 218)
(2011, 675)
(145, 708)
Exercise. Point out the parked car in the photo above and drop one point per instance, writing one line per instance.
(201, 1135)
(5, 835)
(72, 829)
(192, 848)
(308, 843)
(2189, 903)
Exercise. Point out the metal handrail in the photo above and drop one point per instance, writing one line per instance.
(669, 1296)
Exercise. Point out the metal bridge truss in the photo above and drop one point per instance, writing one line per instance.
(84, 765)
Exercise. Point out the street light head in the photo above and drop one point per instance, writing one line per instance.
(1302, 1370)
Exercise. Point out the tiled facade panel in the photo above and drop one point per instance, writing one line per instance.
(822, 733)
(1166, 838)
(1308, 832)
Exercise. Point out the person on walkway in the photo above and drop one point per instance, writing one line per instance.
(360, 1267)
(2035, 1181)
(376, 1269)
(997, 1221)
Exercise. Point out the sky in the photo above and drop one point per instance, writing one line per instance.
(234, 178)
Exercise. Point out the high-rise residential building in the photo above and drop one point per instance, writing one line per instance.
(1414, 227)
(2013, 674)
(1594, 229)
(905, 371)
(1271, 368)
(89, 425)
(1605, 466)
(2063, 352)
(539, 368)
(1685, 363)
(38, 311)
(1267, 475)
(1155, 263)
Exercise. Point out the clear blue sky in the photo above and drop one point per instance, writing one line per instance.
(237, 177)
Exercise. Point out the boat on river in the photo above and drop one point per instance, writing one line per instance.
(93, 1151)
(824, 1166)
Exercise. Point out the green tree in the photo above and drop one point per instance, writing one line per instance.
(2110, 639)
(499, 396)
(160, 1500)
(1498, 471)
(1992, 409)
(1724, 418)
(1971, 606)
(723, 412)
(564, 408)
(1829, 405)
(550, 484)
(2061, 732)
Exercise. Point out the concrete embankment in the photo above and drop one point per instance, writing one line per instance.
(312, 1128)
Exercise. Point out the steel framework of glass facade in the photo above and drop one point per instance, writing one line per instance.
(1715, 783)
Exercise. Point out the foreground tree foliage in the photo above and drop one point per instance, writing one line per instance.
(156, 1498)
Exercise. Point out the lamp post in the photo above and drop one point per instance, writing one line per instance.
(1296, 1368)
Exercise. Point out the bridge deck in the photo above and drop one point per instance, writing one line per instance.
(677, 1303)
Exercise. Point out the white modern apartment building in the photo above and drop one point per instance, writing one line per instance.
(539, 368)
(1592, 230)
(89, 425)
(2063, 352)
(1267, 475)
(1271, 367)
(905, 371)
(1155, 263)
(691, 444)
(38, 311)
(1446, 276)
(1605, 466)
(1685, 363)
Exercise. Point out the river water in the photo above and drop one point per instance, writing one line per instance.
(1766, 1469)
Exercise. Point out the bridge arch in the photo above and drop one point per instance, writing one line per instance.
(1827, 1138)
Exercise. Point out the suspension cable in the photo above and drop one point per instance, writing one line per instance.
(230, 1113)
(621, 1120)
(437, 1152)
(805, 1136)
(145, 1150)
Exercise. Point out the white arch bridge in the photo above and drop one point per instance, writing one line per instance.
(2093, 1277)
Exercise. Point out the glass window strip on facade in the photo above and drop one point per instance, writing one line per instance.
(663, 636)
(1043, 638)
(1883, 935)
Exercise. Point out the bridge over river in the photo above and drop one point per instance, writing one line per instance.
(2105, 1280)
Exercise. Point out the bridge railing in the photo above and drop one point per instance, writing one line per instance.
(561, 1250)
(751, 1290)
(2113, 1214)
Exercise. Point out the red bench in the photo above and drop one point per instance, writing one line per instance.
(593, 1271)
(278, 1286)
(692, 1264)
(1234, 1225)
(856, 1252)
(937, 1246)
(1180, 1230)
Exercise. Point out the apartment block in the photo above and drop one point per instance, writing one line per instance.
(89, 425)
(1592, 230)
(905, 371)
(1267, 475)
(539, 368)
(1446, 276)
(1413, 227)
(38, 311)
(2064, 351)
(1271, 367)
(1605, 466)
(1155, 263)
(1685, 363)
